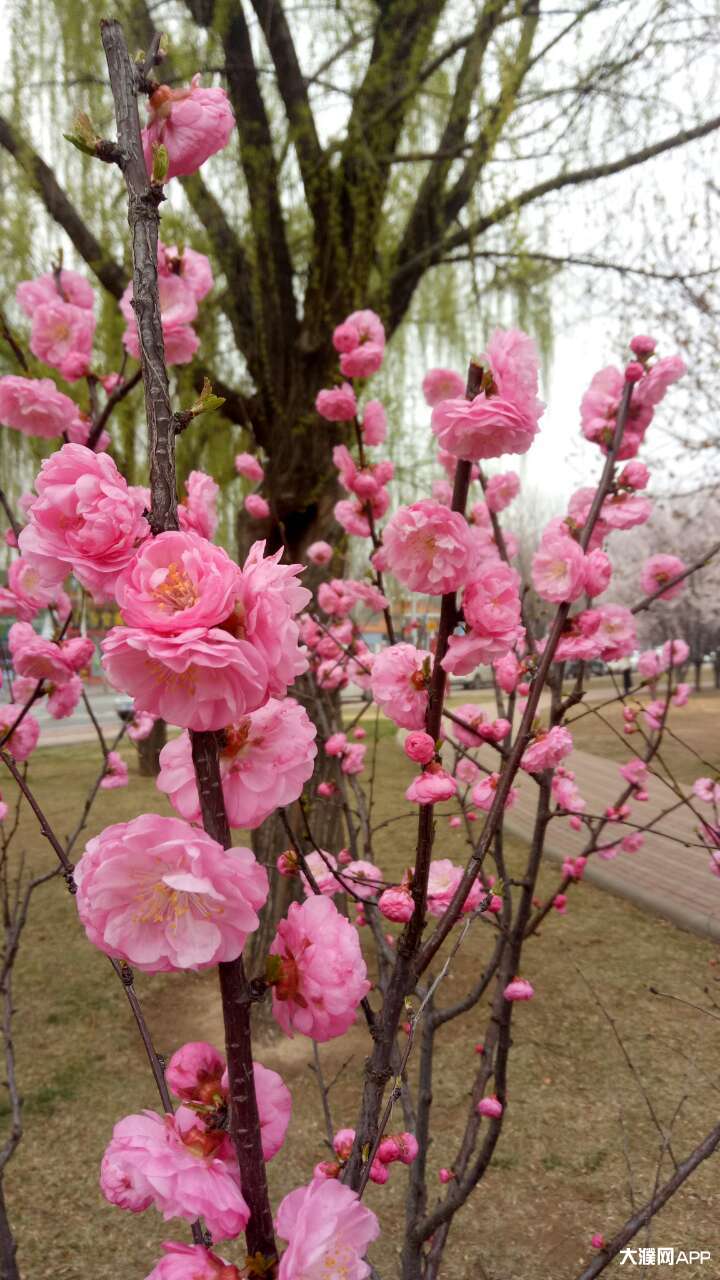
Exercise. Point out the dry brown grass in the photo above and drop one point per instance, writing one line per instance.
(576, 1123)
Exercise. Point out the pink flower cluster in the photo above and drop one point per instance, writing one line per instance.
(601, 402)
(208, 643)
(428, 548)
(328, 1231)
(192, 124)
(26, 593)
(60, 307)
(85, 518)
(491, 607)
(35, 407)
(503, 417)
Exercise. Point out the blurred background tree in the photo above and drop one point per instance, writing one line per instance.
(444, 163)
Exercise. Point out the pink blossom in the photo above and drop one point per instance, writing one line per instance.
(141, 727)
(396, 904)
(265, 760)
(514, 362)
(428, 548)
(431, 787)
(364, 878)
(23, 740)
(35, 657)
(247, 465)
(398, 684)
(501, 489)
(507, 670)
(519, 989)
(321, 866)
(491, 603)
(177, 1163)
(675, 653)
(442, 384)
(163, 895)
(178, 581)
(624, 510)
(328, 1232)
(178, 309)
(26, 593)
(192, 124)
(597, 1241)
(68, 286)
(116, 772)
(649, 667)
(265, 614)
(194, 1073)
(63, 699)
(35, 407)
(337, 404)
(198, 514)
(78, 652)
(491, 1107)
(642, 345)
(706, 790)
(655, 714)
(363, 361)
(419, 746)
(598, 572)
(78, 432)
(85, 518)
(631, 843)
(567, 794)
(635, 772)
(320, 553)
(353, 760)
(198, 679)
(335, 744)
(681, 695)
(374, 423)
(61, 335)
(256, 506)
(191, 1262)
(445, 1175)
(443, 880)
(558, 569)
(659, 569)
(476, 728)
(482, 428)
(345, 337)
(560, 903)
(659, 379)
(466, 771)
(321, 972)
(634, 475)
(193, 268)
(547, 750)
(634, 371)
(368, 327)
(483, 793)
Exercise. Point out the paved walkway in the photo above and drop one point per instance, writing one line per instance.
(665, 876)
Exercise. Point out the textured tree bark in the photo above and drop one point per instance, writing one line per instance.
(8, 1248)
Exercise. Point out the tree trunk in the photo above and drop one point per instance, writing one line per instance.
(149, 750)
(8, 1245)
(698, 675)
(716, 666)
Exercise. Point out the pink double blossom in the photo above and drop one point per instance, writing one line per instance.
(192, 124)
(176, 582)
(547, 750)
(504, 417)
(419, 746)
(163, 895)
(198, 679)
(374, 423)
(483, 793)
(558, 569)
(396, 904)
(26, 593)
(337, 404)
(501, 490)
(247, 465)
(519, 989)
(442, 384)
(191, 1262)
(328, 1231)
(35, 407)
(265, 614)
(265, 760)
(193, 268)
(659, 569)
(320, 553)
(116, 772)
(67, 286)
(321, 974)
(399, 684)
(61, 335)
(198, 513)
(23, 740)
(432, 786)
(85, 518)
(428, 548)
(179, 1165)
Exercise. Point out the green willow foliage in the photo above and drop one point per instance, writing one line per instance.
(399, 164)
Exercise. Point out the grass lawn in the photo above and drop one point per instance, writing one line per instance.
(578, 1147)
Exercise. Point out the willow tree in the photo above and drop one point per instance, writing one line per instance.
(408, 155)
